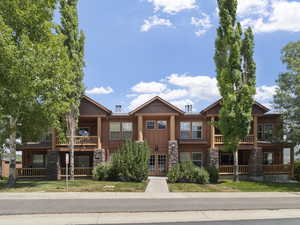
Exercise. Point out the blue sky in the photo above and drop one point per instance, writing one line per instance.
(136, 49)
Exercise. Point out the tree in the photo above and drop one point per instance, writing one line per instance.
(287, 97)
(75, 45)
(34, 73)
(236, 78)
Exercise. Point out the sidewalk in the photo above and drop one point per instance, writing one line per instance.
(145, 195)
(157, 185)
(155, 217)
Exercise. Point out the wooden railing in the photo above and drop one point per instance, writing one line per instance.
(243, 169)
(81, 140)
(219, 139)
(78, 172)
(277, 169)
(31, 172)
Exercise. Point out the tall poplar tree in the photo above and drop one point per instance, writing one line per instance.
(236, 78)
(75, 44)
(34, 73)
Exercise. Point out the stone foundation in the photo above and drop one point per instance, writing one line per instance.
(173, 154)
(53, 165)
(213, 158)
(255, 169)
(98, 157)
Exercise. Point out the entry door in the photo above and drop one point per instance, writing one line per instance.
(158, 165)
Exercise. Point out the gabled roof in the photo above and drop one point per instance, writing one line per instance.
(264, 109)
(155, 99)
(97, 104)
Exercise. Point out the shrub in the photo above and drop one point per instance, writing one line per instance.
(131, 162)
(102, 172)
(188, 172)
(213, 174)
(297, 171)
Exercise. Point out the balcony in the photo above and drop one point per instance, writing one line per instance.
(249, 140)
(80, 141)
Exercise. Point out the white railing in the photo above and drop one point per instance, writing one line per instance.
(219, 139)
(81, 140)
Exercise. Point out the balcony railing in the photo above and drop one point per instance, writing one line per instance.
(78, 172)
(277, 169)
(219, 139)
(224, 170)
(31, 172)
(81, 140)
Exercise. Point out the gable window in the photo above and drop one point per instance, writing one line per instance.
(150, 124)
(120, 131)
(268, 158)
(161, 124)
(191, 130)
(197, 158)
(265, 132)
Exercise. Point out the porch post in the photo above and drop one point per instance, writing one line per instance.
(99, 132)
(140, 129)
(172, 128)
(212, 133)
(213, 155)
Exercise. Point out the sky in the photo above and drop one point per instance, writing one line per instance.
(137, 49)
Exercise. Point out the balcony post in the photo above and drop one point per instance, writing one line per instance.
(140, 129)
(172, 128)
(53, 139)
(99, 132)
(212, 133)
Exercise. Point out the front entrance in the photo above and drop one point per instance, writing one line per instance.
(158, 165)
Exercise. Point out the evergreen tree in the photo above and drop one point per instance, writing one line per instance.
(75, 44)
(34, 73)
(236, 78)
(287, 97)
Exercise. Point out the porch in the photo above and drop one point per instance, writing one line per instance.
(267, 169)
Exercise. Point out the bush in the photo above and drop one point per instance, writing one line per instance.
(131, 162)
(213, 174)
(102, 172)
(188, 172)
(297, 171)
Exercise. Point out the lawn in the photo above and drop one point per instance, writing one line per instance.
(230, 186)
(74, 186)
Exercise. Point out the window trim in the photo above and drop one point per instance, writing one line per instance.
(201, 161)
(273, 157)
(263, 131)
(146, 125)
(157, 126)
(191, 130)
(121, 131)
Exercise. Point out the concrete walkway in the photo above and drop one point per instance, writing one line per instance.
(157, 185)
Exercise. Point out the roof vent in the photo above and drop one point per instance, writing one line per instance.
(188, 108)
(118, 108)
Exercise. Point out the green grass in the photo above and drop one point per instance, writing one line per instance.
(230, 186)
(74, 186)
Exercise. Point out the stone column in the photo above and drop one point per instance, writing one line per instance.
(213, 158)
(98, 157)
(173, 153)
(140, 129)
(292, 159)
(255, 166)
(53, 165)
(255, 131)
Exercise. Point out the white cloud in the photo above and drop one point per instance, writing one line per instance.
(100, 91)
(154, 21)
(149, 87)
(203, 24)
(173, 6)
(271, 15)
(265, 93)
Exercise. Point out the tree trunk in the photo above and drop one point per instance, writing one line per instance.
(72, 151)
(1, 166)
(12, 148)
(236, 166)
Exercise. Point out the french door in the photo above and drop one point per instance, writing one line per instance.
(158, 165)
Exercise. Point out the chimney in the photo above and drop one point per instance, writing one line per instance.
(118, 108)
(188, 108)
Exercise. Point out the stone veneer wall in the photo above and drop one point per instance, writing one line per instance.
(255, 168)
(53, 165)
(98, 157)
(173, 154)
(213, 158)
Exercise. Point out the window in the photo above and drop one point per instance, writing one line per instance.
(127, 131)
(120, 131)
(196, 130)
(268, 158)
(265, 132)
(82, 161)
(185, 128)
(185, 156)
(150, 124)
(197, 158)
(191, 130)
(83, 131)
(115, 131)
(38, 161)
(161, 124)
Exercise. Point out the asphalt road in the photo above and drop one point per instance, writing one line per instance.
(246, 222)
(50, 206)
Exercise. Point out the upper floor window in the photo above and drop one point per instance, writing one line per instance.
(197, 158)
(191, 130)
(153, 124)
(38, 160)
(120, 131)
(265, 132)
(150, 124)
(268, 158)
(161, 124)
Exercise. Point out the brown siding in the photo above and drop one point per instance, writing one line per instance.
(157, 107)
(5, 167)
(88, 108)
